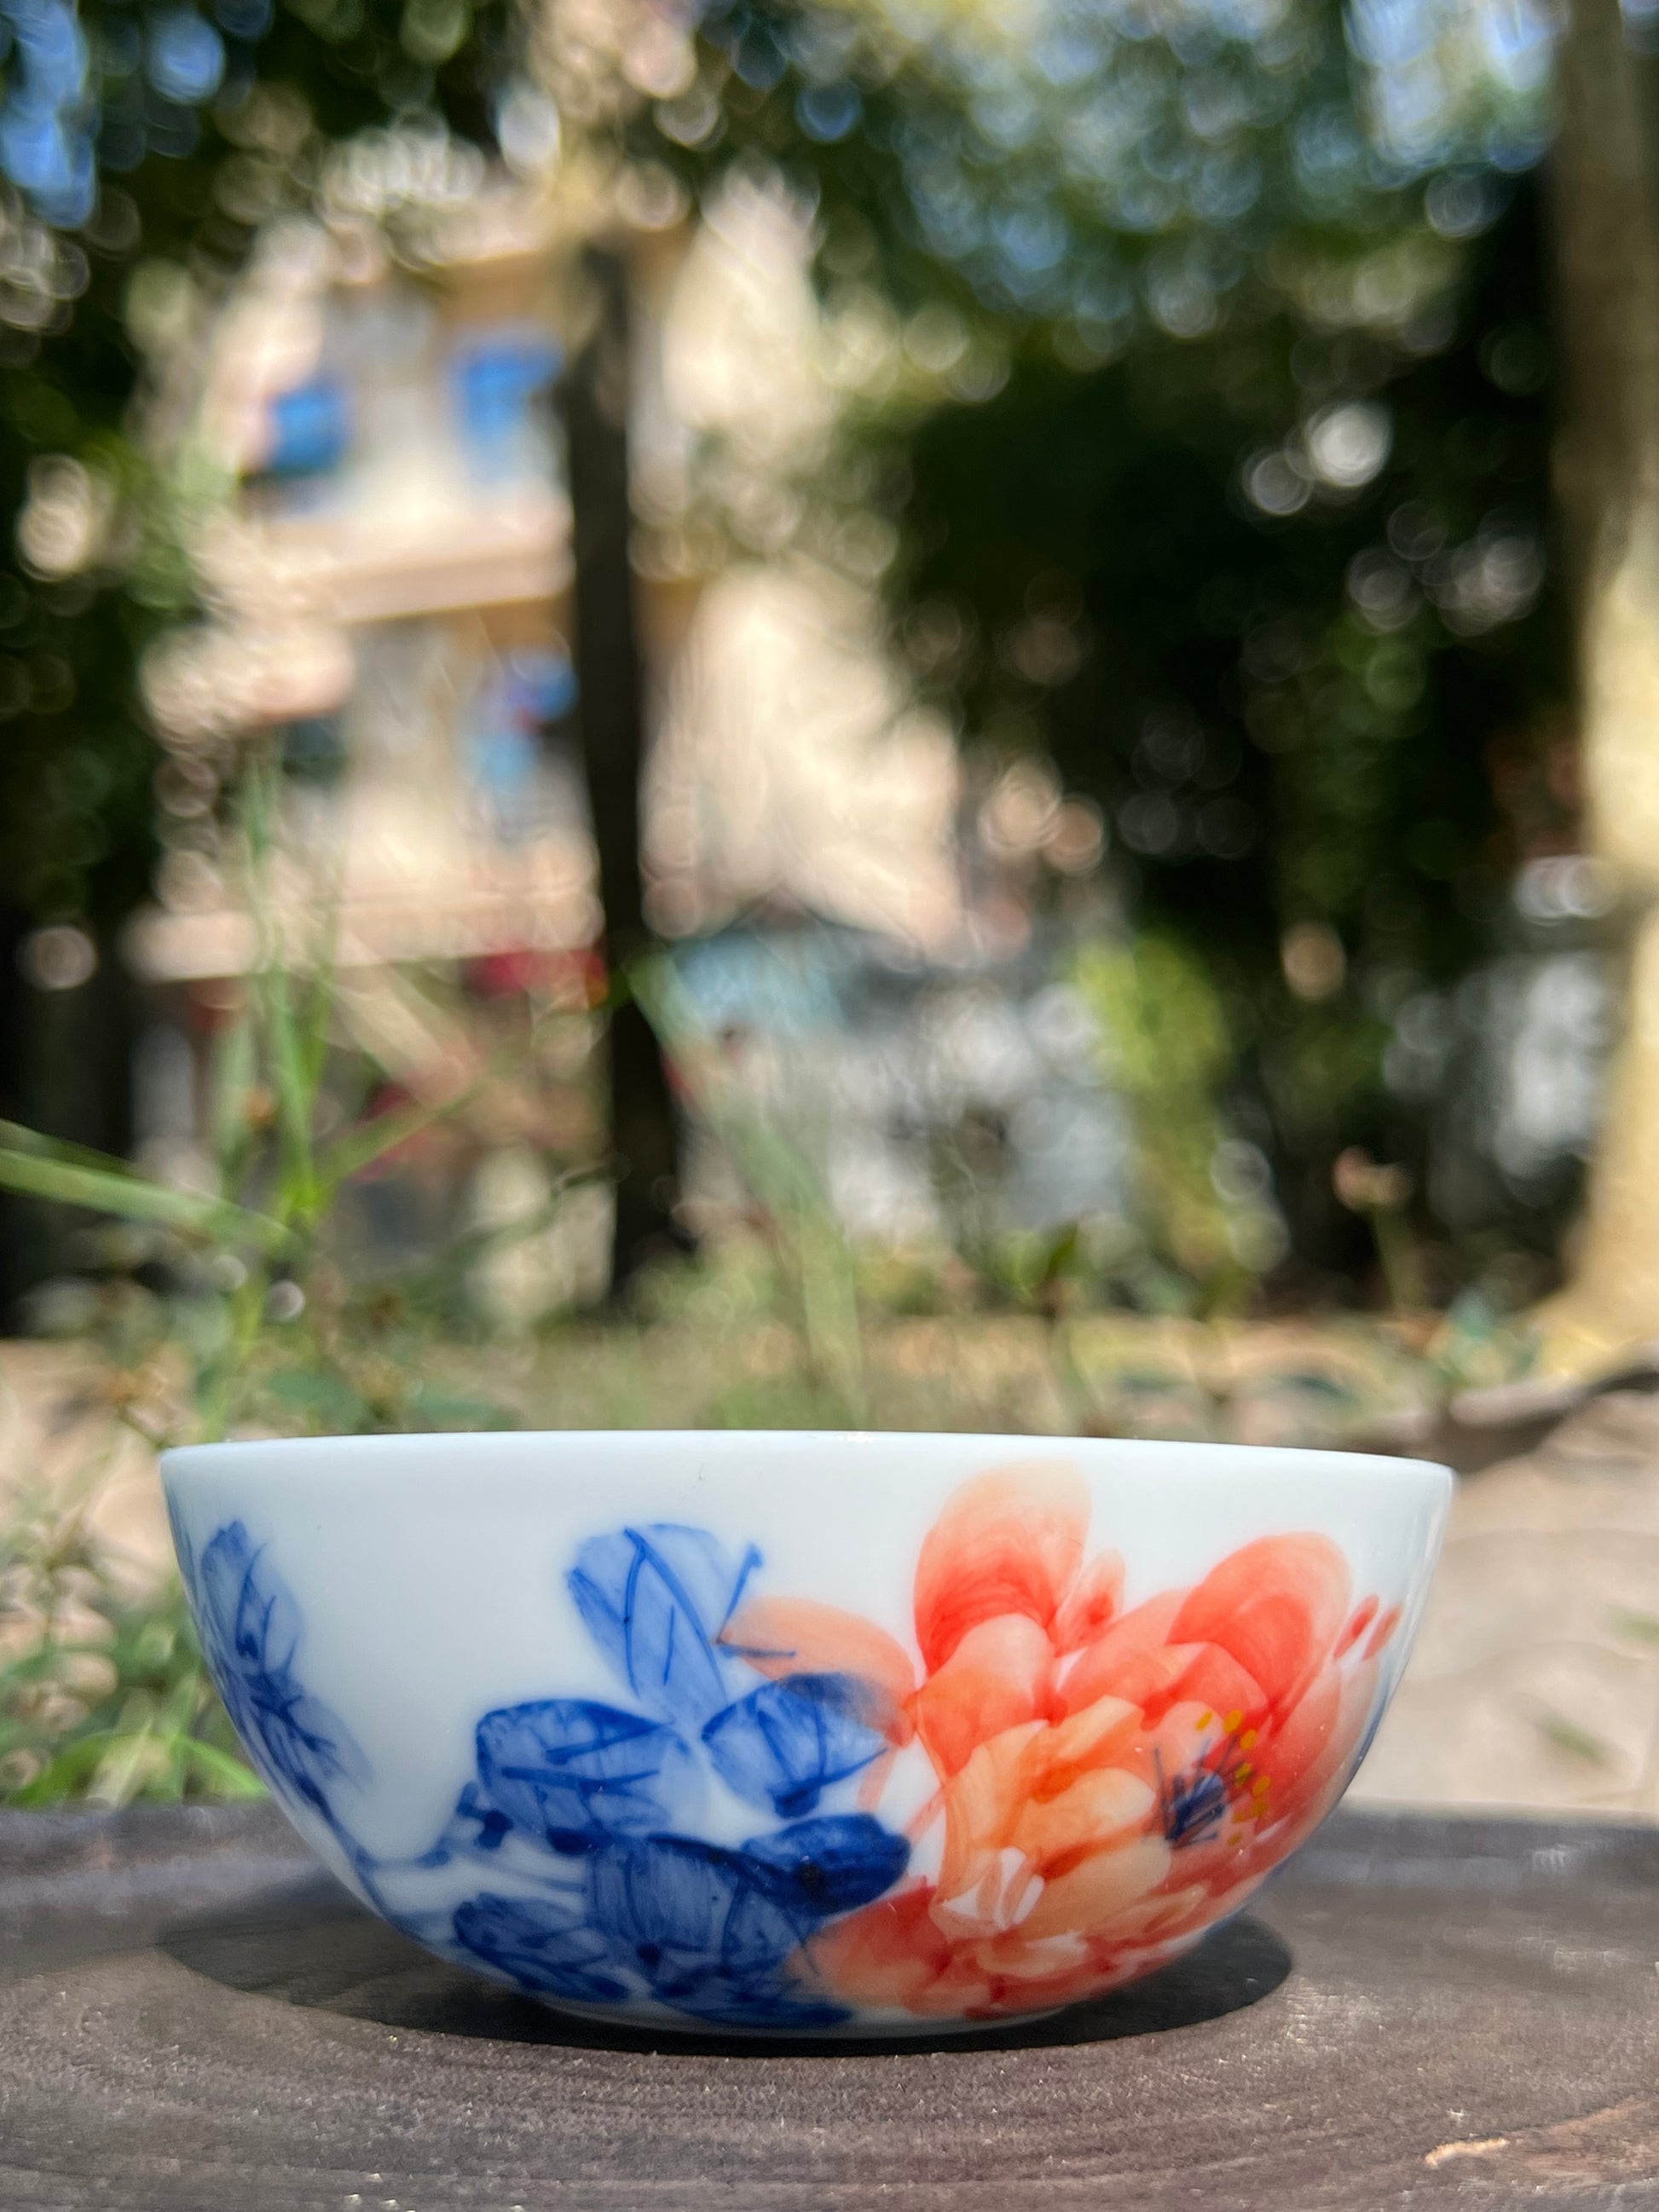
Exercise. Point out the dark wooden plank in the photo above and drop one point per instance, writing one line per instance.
(1422, 2011)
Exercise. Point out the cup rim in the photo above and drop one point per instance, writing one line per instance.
(269, 1455)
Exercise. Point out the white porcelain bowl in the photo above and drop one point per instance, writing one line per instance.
(802, 1733)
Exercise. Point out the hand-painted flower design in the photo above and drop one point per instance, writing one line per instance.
(637, 1903)
(598, 1890)
(1109, 1782)
(1099, 1784)
(250, 1631)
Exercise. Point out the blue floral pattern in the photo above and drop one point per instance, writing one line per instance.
(250, 1631)
(574, 1864)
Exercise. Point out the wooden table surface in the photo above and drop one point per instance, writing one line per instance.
(1421, 2011)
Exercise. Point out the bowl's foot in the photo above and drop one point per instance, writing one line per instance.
(864, 2027)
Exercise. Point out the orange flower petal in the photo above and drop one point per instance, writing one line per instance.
(1091, 1899)
(1010, 1542)
(1102, 1667)
(1359, 1621)
(1105, 1734)
(1015, 1958)
(1165, 1913)
(1183, 1735)
(1276, 1605)
(997, 1900)
(886, 1953)
(1312, 1752)
(1221, 1903)
(1214, 1864)
(981, 1805)
(1017, 1954)
(1299, 1746)
(1189, 1737)
(999, 1675)
(1016, 1994)
(1091, 1603)
(963, 1989)
(1098, 1810)
(1383, 1630)
(1213, 1679)
(1155, 1680)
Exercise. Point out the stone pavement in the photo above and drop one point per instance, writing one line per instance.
(60, 1437)
(1536, 1679)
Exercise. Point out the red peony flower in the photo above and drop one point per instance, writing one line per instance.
(1111, 1782)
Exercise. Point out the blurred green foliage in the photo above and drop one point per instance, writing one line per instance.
(103, 1695)
(1166, 1050)
(260, 1307)
(1209, 401)
(253, 1322)
(183, 186)
(1349, 715)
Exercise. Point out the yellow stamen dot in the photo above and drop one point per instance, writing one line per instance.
(1205, 1719)
(1247, 1739)
(1233, 1722)
(1259, 1786)
(1245, 1771)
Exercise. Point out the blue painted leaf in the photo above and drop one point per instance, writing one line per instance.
(250, 1633)
(759, 1934)
(305, 1738)
(571, 1772)
(251, 1627)
(681, 1908)
(475, 1825)
(655, 1600)
(815, 1869)
(786, 1743)
(542, 1945)
(185, 1549)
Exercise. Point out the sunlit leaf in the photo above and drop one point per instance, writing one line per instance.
(39, 1169)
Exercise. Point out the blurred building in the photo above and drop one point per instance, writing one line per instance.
(384, 556)
(389, 580)
(388, 575)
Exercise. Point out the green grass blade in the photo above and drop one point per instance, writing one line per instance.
(225, 1775)
(129, 1759)
(61, 1775)
(370, 1140)
(272, 987)
(232, 1081)
(14, 1137)
(318, 1001)
(296, 1097)
(110, 1188)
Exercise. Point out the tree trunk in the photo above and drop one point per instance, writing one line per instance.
(65, 1069)
(22, 1220)
(1607, 285)
(610, 720)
